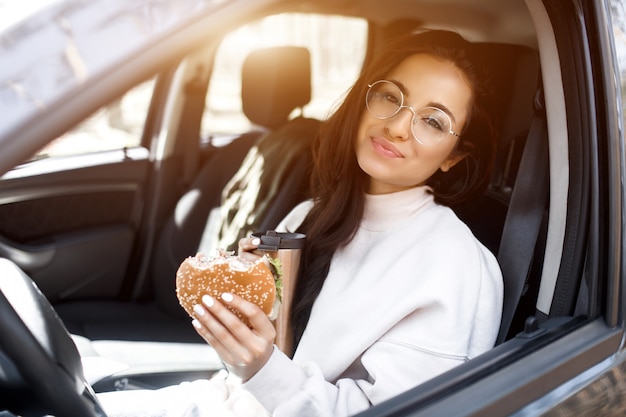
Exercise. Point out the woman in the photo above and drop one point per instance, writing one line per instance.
(394, 289)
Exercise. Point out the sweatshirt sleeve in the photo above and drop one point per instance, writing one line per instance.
(287, 389)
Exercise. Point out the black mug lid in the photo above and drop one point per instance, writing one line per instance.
(272, 240)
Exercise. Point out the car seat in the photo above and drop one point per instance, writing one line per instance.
(271, 180)
(509, 217)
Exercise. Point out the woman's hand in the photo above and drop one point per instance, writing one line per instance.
(248, 249)
(244, 350)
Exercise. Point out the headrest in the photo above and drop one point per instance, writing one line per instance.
(274, 82)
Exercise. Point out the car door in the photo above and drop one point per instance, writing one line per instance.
(69, 215)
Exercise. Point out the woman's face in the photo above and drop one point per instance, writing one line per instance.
(386, 148)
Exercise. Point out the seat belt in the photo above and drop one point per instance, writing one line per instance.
(524, 217)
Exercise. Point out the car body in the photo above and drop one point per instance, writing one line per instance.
(110, 109)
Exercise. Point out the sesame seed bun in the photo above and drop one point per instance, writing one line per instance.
(198, 275)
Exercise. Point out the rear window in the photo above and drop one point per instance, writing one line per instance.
(337, 46)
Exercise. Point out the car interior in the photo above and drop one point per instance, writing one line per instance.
(127, 328)
(246, 186)
(223, 205)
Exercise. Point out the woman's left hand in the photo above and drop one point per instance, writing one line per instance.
(244, 350)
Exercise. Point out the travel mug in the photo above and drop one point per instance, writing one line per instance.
(287, 247)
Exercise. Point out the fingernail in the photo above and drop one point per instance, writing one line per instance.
(196, 324)
(256, 241)
(199, 310)
(228, 297)
(208, 301)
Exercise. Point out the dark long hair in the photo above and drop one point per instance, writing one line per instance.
(339, 185)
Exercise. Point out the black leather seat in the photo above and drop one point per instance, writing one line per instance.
(222, 204)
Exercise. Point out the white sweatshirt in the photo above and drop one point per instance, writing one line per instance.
(413, 295)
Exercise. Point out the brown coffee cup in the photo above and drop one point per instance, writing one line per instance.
(287, 247)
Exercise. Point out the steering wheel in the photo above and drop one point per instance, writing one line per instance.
(40, 368)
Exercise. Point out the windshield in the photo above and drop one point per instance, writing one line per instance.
(12, 11)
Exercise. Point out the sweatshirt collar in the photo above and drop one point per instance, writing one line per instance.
(384, 211)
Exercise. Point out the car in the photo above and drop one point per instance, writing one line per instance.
(137, 132)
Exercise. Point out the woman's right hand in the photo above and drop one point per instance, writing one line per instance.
(248, 249)
(244, 350)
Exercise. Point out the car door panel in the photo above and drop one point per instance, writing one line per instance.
(72, 229)
(83, 264)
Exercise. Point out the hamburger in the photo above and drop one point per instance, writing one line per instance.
(258, 282)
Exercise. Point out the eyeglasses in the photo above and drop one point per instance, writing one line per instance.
(429, 125)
